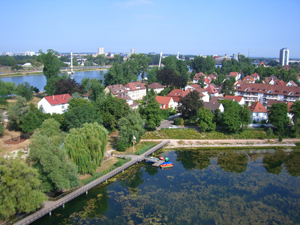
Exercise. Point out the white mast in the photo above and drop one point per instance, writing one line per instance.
(177, 55)
(159, 65)
(72, 63)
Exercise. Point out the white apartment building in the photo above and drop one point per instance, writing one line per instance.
(284, 56)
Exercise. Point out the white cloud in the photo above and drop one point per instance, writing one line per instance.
(133, 3)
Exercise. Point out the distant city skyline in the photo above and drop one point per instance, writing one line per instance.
(188, 27)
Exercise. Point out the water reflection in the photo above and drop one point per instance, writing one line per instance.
(204, 187)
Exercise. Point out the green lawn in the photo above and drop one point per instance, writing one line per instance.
(193, 134)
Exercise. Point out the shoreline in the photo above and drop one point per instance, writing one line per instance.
(23, 74)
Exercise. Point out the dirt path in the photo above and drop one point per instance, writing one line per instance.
(226, 142)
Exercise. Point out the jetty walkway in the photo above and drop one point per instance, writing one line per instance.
(50, 206)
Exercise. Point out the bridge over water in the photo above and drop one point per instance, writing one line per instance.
(50, 206)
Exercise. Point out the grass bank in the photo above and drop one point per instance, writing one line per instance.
(189, 133)
(232, 148)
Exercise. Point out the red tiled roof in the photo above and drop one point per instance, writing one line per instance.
(198, 75)
(58, 99)
(135, 86)
(176, 94)
(248, 78)
(266, 88)
(237, 98)
(211, 89)
(117, 89)
(281, 82)
(257, 107)
(206, 80)
(163, 100)
(293, 83)
(271, 102)
(155, 86)
(233, 74)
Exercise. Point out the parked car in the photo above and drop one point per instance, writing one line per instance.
(173, 126)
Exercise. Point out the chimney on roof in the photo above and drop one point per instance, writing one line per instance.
(64, 96)
(53, 97)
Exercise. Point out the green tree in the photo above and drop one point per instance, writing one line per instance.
(20, 188)
(16, 112)
(86, 146)
(2, 128)
(96, 90)
(150, 112)
(67, 86)
(169, 77)
(152, 75)
(74, 102)
(25, 90)
(278, 117)
(56, 171)
(190, 105)
(205, 65)
(205, 120)
(269, 133)
(129, 126)
(296, 111)
(231, 119)
(228, 87)
(245, 115)
(111, 109)
(51, 69)
(6, 88)
(80, 115)
(30, 122)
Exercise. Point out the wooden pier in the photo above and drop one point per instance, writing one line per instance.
(50, 206)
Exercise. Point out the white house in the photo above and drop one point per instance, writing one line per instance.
(156, 87)
(165, 102)
(54, 104)
(203, 93)
(258, 112)
(136, 90)
(213, 106)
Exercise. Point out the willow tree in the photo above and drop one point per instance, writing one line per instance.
(47, 155)
(86, 146)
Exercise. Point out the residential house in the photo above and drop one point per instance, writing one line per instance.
(117, 90)
(176, 95)
(258, 112)
(212, 90)
(289, 106)
(271, 80)
(156, 87)
(249, 79)
(54, 104)
(262, 64)
(136, 90)
(203, 93)
(213, 106)
(238, 99)
(236, 75)
(197, 77)
(256, 76)
(121, 92)
(281, 82)
(292, 83)
(264, 92)
(165, 102)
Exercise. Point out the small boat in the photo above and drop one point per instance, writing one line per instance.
(152, 158)
(161, 158)
(166, 165)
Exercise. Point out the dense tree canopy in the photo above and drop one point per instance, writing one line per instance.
(67, 86)
(16, 112)
(190, 105)
(205, 65)
(150, 112)
(129, 126)
(46, 154)
(80, 115)
(86, 146)
(25, 90)
(231, 119)
(228, 87)
(205, 120)
(278, 117)
(111, 109)
(19, 187)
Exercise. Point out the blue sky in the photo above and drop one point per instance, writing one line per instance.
(190, 27)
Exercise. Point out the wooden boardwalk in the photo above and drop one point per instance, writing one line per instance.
(50, 206)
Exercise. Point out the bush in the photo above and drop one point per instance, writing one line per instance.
(254, 122)
(121, 146)
(164, 113)
(178, 121)
(280, 138)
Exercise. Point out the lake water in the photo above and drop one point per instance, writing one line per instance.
(39, 81)
(203, 187)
